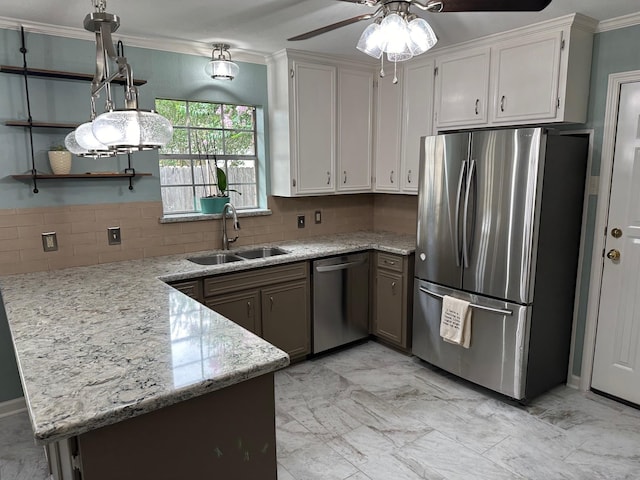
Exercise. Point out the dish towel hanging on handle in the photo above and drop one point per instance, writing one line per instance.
(455, 322)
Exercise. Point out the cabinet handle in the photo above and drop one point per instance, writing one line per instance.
(248, 309)
(477, 106)
(345, 177)
(502, 103)
(328, 178)
(393, 287)
(271, 303)
(409, 177)
(391, 176)
(293, 182)
(388, 262)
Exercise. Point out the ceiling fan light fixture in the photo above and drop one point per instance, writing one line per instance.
(369, 42)
(422, 36)
(221, 67)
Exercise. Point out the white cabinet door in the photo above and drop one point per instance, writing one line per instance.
(388, 133)
(418, 114)
(462, 88)
(315, 127)
(526, 73)
(355, 130)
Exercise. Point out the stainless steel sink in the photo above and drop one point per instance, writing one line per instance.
(261, 252)
(216, 259)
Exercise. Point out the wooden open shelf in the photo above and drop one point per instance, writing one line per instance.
(39, 72)
(25, 123)
(46, 176)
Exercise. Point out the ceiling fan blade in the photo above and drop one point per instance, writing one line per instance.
(370, 3)
(333, 26)
(489, 5)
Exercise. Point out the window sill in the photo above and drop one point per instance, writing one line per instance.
(197, 217)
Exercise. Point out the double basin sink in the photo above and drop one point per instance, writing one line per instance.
(228, 257)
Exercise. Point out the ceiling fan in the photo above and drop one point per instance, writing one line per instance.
(401, 7)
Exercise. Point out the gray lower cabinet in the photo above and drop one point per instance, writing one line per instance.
(273, 302)
(191, 288)
(243, 308)
(392, 299)
(283, 306)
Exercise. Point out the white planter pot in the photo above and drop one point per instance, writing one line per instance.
(60, 162)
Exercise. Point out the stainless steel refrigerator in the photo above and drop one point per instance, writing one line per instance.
(499, 221)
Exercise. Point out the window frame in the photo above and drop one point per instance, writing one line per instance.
(193, 157)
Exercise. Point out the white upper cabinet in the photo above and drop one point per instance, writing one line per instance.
(526, 74)
(315, 127)
(417, 119)
(388, 133)
(355, 130)
(462, 88)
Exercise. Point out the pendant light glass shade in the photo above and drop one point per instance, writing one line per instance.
(86, 139)
(132, 129)
(74, 147)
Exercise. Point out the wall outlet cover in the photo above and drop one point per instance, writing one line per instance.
(49, 242)
(300, 221)
(318, 216)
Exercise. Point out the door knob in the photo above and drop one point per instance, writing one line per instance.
(616, 232)
(613, 255)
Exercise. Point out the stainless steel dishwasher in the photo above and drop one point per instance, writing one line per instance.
(340, 300)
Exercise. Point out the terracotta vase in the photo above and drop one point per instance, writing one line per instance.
(60, 161)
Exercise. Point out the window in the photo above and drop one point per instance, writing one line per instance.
(206, 136)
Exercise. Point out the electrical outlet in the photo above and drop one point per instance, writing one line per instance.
(300, 221)
(318, 216)
(49, 242)
(114, 235)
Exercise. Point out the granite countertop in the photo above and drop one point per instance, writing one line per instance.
(97, 345)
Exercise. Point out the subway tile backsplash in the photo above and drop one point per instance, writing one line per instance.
(82, 238)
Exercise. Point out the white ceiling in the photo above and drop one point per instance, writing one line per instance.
(262, 26)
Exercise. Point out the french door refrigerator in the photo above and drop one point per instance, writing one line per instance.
(499, 222)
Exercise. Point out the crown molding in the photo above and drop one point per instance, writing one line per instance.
(630, 20)
(153, 43)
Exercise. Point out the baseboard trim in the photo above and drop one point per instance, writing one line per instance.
(573, 382)
(12, 407)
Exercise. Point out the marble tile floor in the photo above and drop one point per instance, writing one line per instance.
(370, 413)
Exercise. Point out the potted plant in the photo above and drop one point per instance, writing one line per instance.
(213, 201)
(59, 159)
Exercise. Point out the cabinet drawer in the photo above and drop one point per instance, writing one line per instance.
(390, 261)
(254, 278)
(191, 288)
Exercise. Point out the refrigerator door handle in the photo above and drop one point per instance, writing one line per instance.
(472, 305)
(457, 217)
(466, 239)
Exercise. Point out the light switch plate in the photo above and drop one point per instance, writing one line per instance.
(114, 235)
(318, 216)
(300, 221)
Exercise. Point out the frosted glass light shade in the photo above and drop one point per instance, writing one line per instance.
(132, 129)
(87, 140)
(422, 36)
(370, 41)
(222, 69)
(73, 146)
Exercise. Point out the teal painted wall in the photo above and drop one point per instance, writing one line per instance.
(614, 51)
(169, 75)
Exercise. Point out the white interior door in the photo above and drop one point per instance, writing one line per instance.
(616, 368)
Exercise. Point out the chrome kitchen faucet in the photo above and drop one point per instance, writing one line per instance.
(236, 225)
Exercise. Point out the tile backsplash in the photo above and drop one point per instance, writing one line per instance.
(82, 229)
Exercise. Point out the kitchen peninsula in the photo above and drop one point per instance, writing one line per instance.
(144, 379)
